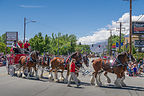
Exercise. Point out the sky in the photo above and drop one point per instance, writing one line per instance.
(87, 19)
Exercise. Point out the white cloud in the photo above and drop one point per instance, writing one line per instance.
(30, 6)
(103, 34)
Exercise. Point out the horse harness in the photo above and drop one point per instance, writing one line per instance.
(115, 63)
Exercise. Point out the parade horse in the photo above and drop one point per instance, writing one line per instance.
(44, 62)
(29, 62)
(60, 63)
(118, 67)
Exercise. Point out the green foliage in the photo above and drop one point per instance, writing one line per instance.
(2, 47)
(138, 56)
(66, 43)
(83, 48)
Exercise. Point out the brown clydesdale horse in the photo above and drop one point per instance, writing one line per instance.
(60, 63)
(29, 62)
(118, 67)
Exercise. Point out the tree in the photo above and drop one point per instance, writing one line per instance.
(2, 47)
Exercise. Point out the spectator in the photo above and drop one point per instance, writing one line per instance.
(129, 69)
(3, 60)
(139, 66)
(134, 70)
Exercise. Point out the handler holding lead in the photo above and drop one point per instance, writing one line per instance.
(72, 73)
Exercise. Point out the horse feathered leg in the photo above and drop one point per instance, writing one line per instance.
(28, 75)
(42, 70)
(50, 76)
(122, 80)
(66, 79)
(36, 71)
(55, 78)
(118, 81)
(97, 80)
(108, 79)
(61, 76)
(93, 79)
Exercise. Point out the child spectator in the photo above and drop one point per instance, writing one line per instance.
(134, 70)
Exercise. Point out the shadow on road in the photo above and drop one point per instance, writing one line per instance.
(125, 88)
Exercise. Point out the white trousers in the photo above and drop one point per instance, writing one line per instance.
(72, 76)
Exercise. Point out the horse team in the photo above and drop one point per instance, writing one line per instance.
(118, 66)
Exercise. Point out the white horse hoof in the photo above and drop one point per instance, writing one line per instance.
(123, 85)
(56, 80)
(61, 79)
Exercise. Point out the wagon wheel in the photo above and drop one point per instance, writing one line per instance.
(26, 72)
(19, 74)
(11, 70)
(7, 66)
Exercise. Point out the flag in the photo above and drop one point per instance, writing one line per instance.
(121, 43)
(117, 44)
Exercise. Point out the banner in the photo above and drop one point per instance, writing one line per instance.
(137, 28)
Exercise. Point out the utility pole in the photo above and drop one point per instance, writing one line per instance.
(58, 45)
(130, 29)
(24, 29)
(110, 41)
(120, 31)
(25, 22)
(130, 34)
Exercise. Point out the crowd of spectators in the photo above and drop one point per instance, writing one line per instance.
(135, 69)
(2, 60)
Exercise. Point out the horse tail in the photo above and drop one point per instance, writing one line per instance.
(20, 60)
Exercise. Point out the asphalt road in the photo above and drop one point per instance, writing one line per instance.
(14, 86)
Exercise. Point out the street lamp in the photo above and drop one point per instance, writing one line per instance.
(25, 26)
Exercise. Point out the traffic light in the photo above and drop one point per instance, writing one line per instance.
(99, 46)
(92, 45)
(79, 43)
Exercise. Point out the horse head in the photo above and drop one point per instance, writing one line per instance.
(86, 60)
(125, 57)
(131, 57)
(35, 55)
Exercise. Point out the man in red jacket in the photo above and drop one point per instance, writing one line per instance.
(26, 46)
(72, 73)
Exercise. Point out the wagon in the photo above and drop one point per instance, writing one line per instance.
(13, 65)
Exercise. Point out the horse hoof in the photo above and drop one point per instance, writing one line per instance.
(61, 79)
(92, 84)
(65, 81)
(56, 80)
(37, 78)
(123, 85)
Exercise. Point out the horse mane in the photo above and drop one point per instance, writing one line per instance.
(121, 55)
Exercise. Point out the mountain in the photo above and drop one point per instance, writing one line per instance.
(99, 47)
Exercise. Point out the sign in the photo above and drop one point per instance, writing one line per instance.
(138, 28)
(9, 45)
(9, 42)
(10, 37)
(139, 43)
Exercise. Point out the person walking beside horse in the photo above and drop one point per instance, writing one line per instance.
(72, 73)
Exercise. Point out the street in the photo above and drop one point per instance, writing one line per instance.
(14, 86)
